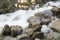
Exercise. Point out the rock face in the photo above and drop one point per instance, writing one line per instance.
(16, 30)
(6, 30)
(56, 11)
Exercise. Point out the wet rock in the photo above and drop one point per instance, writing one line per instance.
(6, 30)
(38, 35)
(56, 11)
(56, 26)
(52, 36)
(56, 36)
(22, 36)
(26, 38)
(28, 31)
(34, 20)
(45, 21)
(9, 38)
(16, 30)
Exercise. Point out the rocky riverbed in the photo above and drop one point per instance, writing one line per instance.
(38, 28)
(42, 25)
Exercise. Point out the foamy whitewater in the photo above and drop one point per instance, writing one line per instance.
(20, 17)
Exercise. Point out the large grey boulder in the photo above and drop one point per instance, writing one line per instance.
(16, 30)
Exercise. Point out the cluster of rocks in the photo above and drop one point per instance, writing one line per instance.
(12, 30)
(38, 27)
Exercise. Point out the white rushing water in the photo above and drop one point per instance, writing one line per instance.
(20, 17)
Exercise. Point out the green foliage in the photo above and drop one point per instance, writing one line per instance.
(7, 6)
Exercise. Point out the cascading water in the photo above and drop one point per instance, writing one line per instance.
(20, 16)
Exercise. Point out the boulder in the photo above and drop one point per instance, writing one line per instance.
(22, 36)
(34, 20)
(52, 36)
(38, 35)
(16, 30)
(6, 30)
(28, 31)
(56, 26)
(56, 11)
(45, 21)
